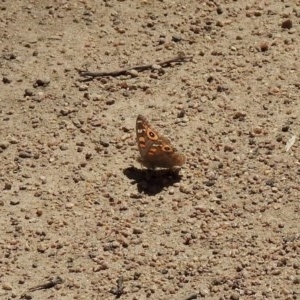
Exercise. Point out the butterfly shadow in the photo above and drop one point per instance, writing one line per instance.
(151, 182)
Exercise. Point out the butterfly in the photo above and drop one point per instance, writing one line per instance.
(156, 151)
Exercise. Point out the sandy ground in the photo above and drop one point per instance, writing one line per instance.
(76, 205)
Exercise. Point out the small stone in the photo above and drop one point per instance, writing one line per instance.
(135, 196)
(7, 186)
(176, 38)
(125, 136)
(96, 122)
(52, 142)
(104, 266)
(39, 212)
(181, 113)
(110, 102)
(14, 202)
(64, 147)
(121, 30)
(184, 189)
(239, 115)
(133, 73)
(220, 23)
(137, 230)
(13, 140)
(257, 130)
(270, 182)
(37, 194)
(219, 10)
(69, 205)
(287, 24)
(264, 46)
(83, 87)
(88, 156)
(185, 119)
(6, 80)
(43, 179)
(296, 265)
(235, 296)
(296, 280)
(126, 129)
(228, 148)
(25, 154)
(64, 111)
(171, 191)
(41, 82)
(28, 93)
(77, 123)
(6, 286)
(42, 248)
(156, 67)
(209, 182)
(276, 272)
(4, 145)
(104, 143)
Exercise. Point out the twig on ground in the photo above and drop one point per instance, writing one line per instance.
(139, 68)
(50, 284)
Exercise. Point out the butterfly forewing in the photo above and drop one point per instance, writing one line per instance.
(156, 150)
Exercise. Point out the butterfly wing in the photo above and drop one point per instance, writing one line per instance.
(156, 150)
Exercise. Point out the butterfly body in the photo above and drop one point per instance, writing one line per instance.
(156, 151)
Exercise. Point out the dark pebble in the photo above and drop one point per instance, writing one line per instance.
(41, 82)
(219, 10)
(6, 80)
(7, 186)
(287, 24)
(104, 143)
(24, 154)
(110, 102)
(14, 202)
(28, 93)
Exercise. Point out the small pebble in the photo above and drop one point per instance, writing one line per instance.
(219, 10)
(110, 101)
(287, 24)
(69, 205)
(137, 230)
(171, 191)
(133, 73)
(39, 212)
(42, 248)
(25, 154)
(6, 286)
(4, 145)
(6, 80)
(264, 46)
(104, 142)
(63, 147)
(28, 93)
(43, 179)
(156, 67)
(14, 202)
(176, 38)
(7, 186)
(235, 296)
(83, 87)
(42, 82)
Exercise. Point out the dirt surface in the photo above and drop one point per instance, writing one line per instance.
(77, 206)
